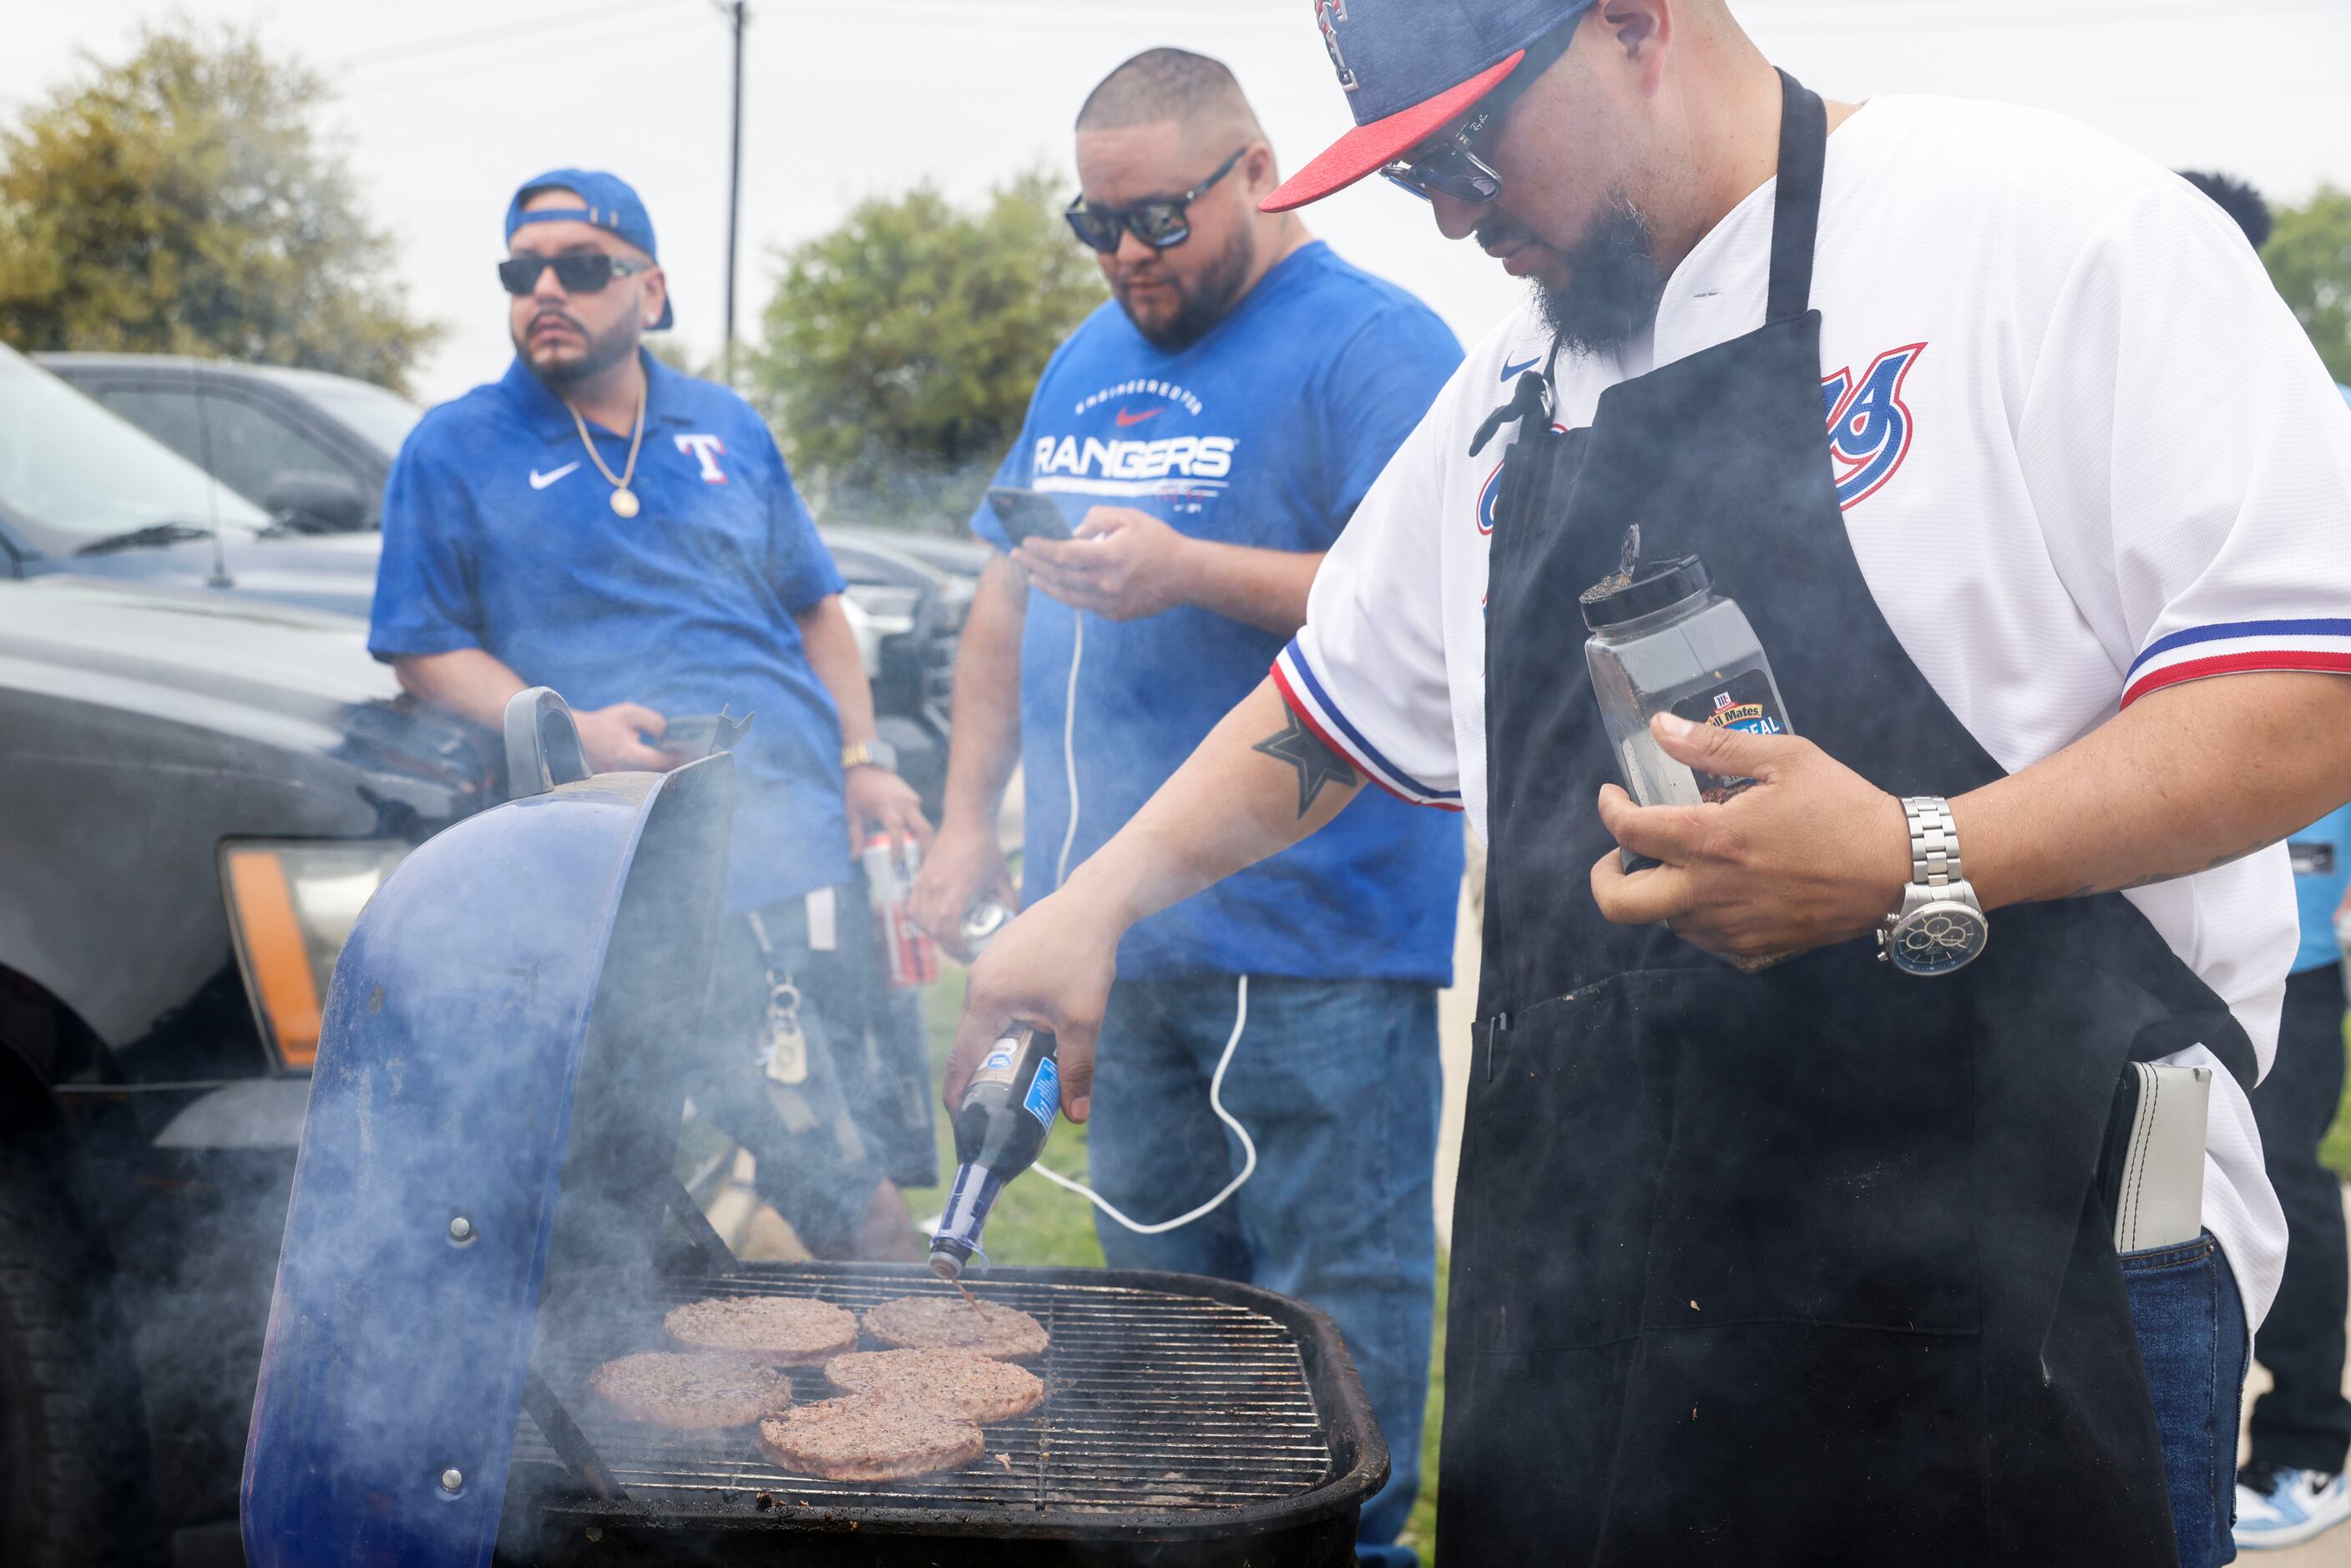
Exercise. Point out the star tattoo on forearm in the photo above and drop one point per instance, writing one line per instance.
(1316, 763)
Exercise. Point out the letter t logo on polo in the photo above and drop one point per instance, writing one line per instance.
(1328, 14)
(706, 450)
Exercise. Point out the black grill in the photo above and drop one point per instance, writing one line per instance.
(486, 1175)
(1208, 1424)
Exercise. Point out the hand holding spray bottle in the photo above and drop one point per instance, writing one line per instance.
(1007, 1110)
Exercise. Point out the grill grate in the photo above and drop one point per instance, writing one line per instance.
(1155, 1402)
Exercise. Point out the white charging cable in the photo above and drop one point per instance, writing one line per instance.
(1240, 990)
(1069, 744)
(1215, 1104)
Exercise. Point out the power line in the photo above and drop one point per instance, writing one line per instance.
(450, 43)
(409, 81)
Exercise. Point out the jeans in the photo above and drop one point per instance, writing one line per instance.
(1338, 1083)
(863, 1110)
(2192, 1336)
(2303, 1422)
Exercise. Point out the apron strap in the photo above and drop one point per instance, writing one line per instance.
(1796, 217)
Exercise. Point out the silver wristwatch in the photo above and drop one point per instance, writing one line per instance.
(1940, 926)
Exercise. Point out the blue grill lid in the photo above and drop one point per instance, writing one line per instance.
(550, 939)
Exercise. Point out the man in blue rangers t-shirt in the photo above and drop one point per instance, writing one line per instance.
(1208, 435)
(598, 523)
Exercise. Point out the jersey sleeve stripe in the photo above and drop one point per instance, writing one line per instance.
(1294, 677)
(2336, 660)
(2229, 630)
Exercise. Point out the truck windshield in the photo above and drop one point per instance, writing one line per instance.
(72, 473)
(381, 418)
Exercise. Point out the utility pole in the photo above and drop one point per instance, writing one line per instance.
(737, 12)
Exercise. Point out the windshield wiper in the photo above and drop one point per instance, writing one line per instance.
(139, 538)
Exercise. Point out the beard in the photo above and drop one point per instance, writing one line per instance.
(617, 343)
(1203, 303)
(1615, 283)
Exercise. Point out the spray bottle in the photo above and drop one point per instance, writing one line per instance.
(1000, 1128)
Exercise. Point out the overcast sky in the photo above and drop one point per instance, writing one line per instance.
(447, 105)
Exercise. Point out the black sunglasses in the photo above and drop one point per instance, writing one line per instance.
(1160, 223)
(581, 272)
(1450, 165)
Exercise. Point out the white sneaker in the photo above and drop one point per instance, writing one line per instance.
(2285, 1507)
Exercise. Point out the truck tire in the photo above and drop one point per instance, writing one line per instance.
(73, 1446)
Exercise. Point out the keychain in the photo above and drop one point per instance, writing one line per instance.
(784, 1052)
(783, 1044)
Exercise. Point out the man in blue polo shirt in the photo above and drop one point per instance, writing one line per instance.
(1207, 436)
(629, 535)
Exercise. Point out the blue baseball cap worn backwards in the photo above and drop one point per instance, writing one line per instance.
(1411, 68)
(607, 201)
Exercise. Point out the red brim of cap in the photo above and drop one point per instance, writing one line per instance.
(1368, 148)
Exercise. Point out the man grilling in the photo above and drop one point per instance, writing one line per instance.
(1209, 433)
(1803, 1259)
(601, 524)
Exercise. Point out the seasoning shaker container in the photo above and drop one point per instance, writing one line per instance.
(1663, 640)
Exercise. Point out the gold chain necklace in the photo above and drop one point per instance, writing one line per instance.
(624, 500)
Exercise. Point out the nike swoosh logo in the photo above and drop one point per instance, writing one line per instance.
(1511, 372)
(1126, 419)
(539, 480)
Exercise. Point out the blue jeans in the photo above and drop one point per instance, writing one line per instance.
(1338, 1083)
(2191, 1337)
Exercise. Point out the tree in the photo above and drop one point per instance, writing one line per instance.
(2309, 258)
(186, 201)
(901, 348)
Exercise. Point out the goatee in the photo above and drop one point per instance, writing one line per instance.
(603, 353)
(1614, 285)
(1206, 302)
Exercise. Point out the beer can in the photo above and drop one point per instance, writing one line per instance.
(911, 957)
(981, 924)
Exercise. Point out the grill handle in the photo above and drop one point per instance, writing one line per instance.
(543, 745)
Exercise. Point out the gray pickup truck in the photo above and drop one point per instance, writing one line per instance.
(202, 778)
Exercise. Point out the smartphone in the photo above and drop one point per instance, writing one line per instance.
(1028, 515)
(696, 735)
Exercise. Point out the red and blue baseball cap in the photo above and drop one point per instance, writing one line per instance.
(1411, 68)
(607, 203)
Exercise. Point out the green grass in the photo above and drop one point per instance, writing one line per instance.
(1035, 1222)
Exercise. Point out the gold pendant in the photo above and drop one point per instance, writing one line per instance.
(625, 503)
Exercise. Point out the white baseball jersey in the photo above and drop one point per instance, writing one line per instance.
(2084, 452)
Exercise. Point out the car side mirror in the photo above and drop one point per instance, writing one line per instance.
(315, 503)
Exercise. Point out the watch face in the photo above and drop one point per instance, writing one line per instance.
(1938, 938)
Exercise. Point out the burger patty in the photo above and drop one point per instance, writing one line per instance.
(686, 1390)
(976, 1386)
(870, 1437)
(950, 1322)
(780, 1331)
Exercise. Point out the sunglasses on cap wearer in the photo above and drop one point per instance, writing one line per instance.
(1160, 223)
(1451, 163)
(579, 272)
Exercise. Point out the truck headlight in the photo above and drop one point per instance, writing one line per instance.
(291, 906)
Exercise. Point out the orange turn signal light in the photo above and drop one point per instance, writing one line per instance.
(292, 905)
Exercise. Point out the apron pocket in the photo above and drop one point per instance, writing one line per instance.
(1819, 1172)
(1558, 1179)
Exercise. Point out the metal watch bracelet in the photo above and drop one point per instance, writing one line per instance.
(1934, 841)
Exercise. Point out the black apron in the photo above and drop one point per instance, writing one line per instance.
(1806, 1265)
